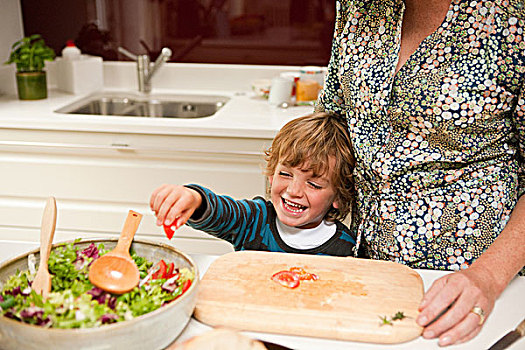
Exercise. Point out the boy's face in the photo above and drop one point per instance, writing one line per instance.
(300, 199)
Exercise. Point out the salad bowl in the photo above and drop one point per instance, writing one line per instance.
(154, 330)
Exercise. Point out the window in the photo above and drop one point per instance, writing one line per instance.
(275, 32)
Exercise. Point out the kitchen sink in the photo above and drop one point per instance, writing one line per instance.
(151, 105)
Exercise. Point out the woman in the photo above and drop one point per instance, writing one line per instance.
(433, 92)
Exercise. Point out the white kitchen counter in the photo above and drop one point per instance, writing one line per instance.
(508, 312)
(245, 115)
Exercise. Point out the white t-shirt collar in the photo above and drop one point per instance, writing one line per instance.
(309, 238)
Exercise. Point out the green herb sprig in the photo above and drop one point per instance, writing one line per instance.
(385, 321)
(398, 316)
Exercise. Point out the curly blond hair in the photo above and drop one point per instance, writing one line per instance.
(312, 140)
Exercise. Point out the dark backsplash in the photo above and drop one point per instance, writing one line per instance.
(275, 32)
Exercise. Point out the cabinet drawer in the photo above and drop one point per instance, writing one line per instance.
(95, 184)
(28, 239)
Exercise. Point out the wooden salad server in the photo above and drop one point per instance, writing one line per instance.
(116, 272)
(42, 282)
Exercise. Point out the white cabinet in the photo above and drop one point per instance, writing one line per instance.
(97, 177)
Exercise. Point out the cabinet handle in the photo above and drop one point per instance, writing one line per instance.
(122, 147)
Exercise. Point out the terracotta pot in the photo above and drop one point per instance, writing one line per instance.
(154, 330)
(31, 85)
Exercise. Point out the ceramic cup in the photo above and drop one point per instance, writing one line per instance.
(294, 76)
(280, 91)
(261, 87)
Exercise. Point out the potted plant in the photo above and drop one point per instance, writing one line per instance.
(29, 54)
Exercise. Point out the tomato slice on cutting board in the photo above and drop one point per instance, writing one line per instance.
(288, 279)
(303, 275)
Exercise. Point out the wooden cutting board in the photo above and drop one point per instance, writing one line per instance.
(346, 303)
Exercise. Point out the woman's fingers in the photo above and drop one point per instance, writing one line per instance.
(459, 323)
(432, 292)
(463, 331)
(469, 335)
(437, 299)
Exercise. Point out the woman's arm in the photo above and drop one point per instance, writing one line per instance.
(483, 282)
(331, 98)
(479, 285)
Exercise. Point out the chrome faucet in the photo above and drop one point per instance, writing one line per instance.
(145, 70)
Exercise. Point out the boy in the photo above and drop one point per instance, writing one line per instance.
(309, 166)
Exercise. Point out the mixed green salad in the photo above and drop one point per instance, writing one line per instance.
(75, 303)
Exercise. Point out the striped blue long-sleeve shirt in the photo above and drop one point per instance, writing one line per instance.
(251, 225)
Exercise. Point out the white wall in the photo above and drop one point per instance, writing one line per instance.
(11, 30)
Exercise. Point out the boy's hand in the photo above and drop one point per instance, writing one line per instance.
(174, 204)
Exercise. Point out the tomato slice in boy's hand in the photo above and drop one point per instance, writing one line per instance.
(286, 278)
(170, 230)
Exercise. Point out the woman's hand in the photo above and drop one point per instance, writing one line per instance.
(462, 291)
(479, 285)
(174, 204)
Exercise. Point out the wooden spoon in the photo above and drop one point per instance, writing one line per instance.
(42, 282)
(116, 272)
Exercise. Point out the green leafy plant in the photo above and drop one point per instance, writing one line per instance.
(30, 53)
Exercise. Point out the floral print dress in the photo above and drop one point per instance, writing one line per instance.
(439, 145)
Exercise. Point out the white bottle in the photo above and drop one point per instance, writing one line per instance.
(71, 52)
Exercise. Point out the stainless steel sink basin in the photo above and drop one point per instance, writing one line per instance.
(156, 106)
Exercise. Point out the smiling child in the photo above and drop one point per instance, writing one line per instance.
(309, 167)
